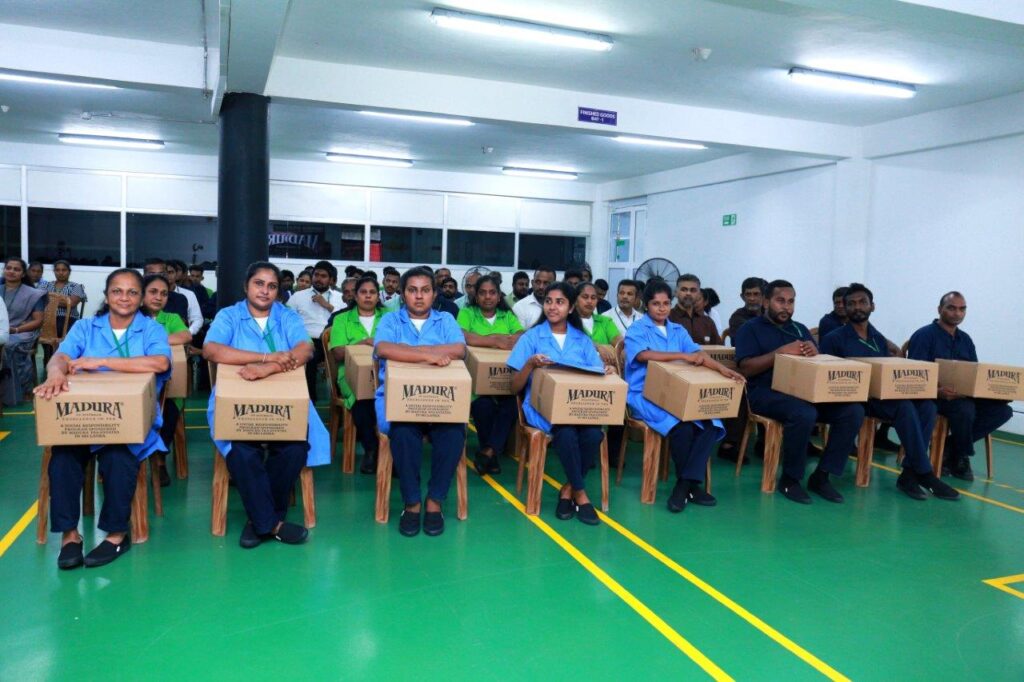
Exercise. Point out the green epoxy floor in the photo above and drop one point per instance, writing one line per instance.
(881, 587)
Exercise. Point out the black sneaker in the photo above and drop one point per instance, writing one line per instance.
(369, 463)
(249, 537)
(482, 463)
(909, 485)
(70, 556)
(433, 523)
(792, 490)
(291, 534)
(587, 514)
(698, 495)
(494, 466)
(165, 478)
(937, 487)
(565, 509)
(818, 483)
(962, 470)
(679, 498)
(409, 524)
(105, 552)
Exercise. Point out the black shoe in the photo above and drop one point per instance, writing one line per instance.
(679, 498)
(433, 523)
(813, 450)
(886, 444)
(818, 483)
(962, 470)
(249, 537)
(937, 487)
(483, 463)
(791, 488)
(728, 451)
(165, 478)
(587, 514)
(369, 463)
(565, 509)
(105, 552)
(70, 556)
(698, 495)
(291, 534)
(909, 485)
(409, 524)
(494, 466)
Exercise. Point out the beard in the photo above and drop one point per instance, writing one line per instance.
(858, 317)
(779, 317)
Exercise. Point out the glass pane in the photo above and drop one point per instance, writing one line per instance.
(556, 252)
(315, 241)
(192, 239)
(405, 245)
(10, 231)
(467, 247)
(618, 247)
(79, 237)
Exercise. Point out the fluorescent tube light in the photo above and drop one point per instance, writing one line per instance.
(104, 141)
(539, 173)
(368, 160)
(855, 84)
(654, 142)
(41, 80)
(522, 30)
(416, 118)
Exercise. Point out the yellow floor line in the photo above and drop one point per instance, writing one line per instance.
(4, 434)
(770, 632)
(968, 493)
(1004, 582)
(19, 414)
(1010, 442)
(18, 528)
(617, 589)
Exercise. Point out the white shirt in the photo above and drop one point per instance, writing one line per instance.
(559, 339)
(386, 298)
(489, 320)
(367, 323)
(716, 319)
(462, 301)
(195, 313)
(261, 322)
(528, 311)
(314, 316)
(119, 333)
(663, 329)
(588, 324)
(418, 323)
(622, 320)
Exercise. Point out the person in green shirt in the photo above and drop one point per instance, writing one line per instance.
(488, 322)
(603, 332)
(358, 325)
(155, 290)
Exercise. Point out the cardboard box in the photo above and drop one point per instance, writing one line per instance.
(902, 379)
(180, 384)
(982, 379)
(491, 375)
(567, 396)
(418, 392)
(725, 355)
(101, 408)
(691, 393)
(271, 409)
(359, 371)
(822, 378)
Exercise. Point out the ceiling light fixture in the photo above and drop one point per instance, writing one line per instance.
(855, 84)
(104, 141)
(369, 160)
(40, 80)
(539, 173)
(416, 118)
(654, 142)
(523, 30)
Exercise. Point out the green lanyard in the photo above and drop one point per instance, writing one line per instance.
(122, 345)
(873, 345)
(798, 335)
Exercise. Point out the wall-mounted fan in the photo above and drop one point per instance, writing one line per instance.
(657, 268)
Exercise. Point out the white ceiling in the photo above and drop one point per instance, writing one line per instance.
(163, 21)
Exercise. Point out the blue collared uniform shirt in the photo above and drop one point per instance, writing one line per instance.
(759, 336)
(932, 342)
(94, 338)
(235, 327)
(846, 343)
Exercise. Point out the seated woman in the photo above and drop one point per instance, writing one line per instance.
(265, 338)
(488, 322)
(418, 333)
(63, 285)
(601, 330)
(654, 338)
(155, 289)
(558, 339)
(25, 305)
(357, 326)
(119, 339)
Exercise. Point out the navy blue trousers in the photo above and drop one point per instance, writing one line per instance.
(494, 417)
(447, 442)
(119, 469)
(171, 416)
(364, 416)
(691, 447)
(578, 448)
(266, 486)
(913, 421)
(970, 420)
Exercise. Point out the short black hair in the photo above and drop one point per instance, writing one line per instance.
(688, 277)
(857, 288)
(753, 283)
(365, 279)
(520, 275)
(771, 286)
(545, 268)
(391, 270)
(418, 271)
(949, 294)
(489, 279)
(370, 273)
(289, 274)
(841, 292)
(654, 287)
(349, 270)
(573, 273)
(629, 283)
(449, 279)
(153, 261)
(601, 284)
(711, 298)
(328, 267)
(149, 279)
(196, 267)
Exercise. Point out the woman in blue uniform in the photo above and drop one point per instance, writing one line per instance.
(558, 339)
(264, 338)
(122, 339)
(418, 333)
(654, 338)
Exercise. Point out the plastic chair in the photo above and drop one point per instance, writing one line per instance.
(339, 414)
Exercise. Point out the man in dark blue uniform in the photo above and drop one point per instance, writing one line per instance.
(757, 342)
(913, 419)
(970, 419)
(837, 317)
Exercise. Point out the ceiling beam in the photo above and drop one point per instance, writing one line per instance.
(250, 40)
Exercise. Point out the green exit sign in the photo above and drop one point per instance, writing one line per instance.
(728, 220)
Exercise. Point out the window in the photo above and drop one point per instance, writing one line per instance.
(192, 239)
(405, 245)
(79, 237)
(10, 231)
(315, 241)
(467, 247)
(559, 253)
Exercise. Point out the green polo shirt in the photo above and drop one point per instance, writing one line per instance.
(347, 330)
(605, 330)
(171, 322)
(472, 320)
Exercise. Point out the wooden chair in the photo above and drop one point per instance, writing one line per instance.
(55, 326)
(814, 334)
(339, 414)
(938, 447)
(772, 447)
(221, 477)
(725, 336)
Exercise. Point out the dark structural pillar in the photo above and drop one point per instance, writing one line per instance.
(243, 189)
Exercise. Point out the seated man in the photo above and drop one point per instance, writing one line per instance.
(835, 319)
(913, 419)
(689, 313)
(603, 306)
(970, 419)
(752, 293)
(529, 308)
(757, 343)
(626, 313)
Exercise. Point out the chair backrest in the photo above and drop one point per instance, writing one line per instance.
(331, 362)
(212, 366)
(55, 324)
(620, 357)
(814, 333)
(725, 336)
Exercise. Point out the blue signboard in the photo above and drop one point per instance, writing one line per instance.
(588, 115)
